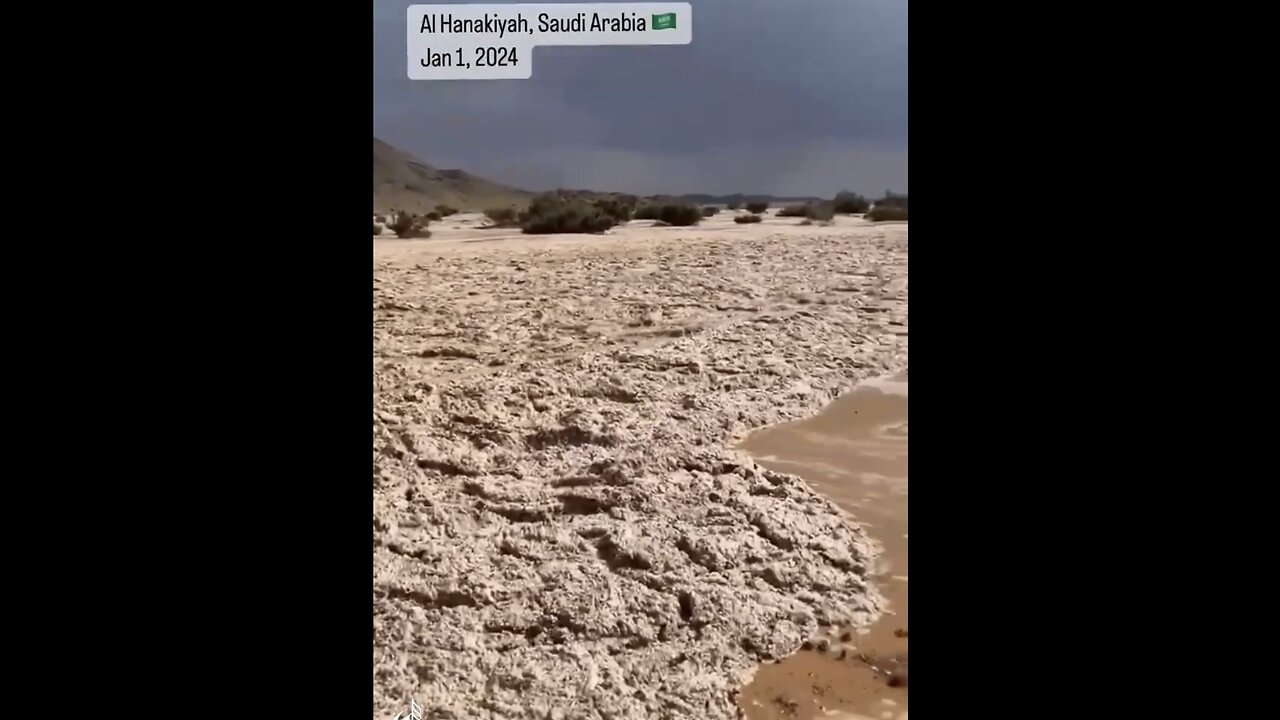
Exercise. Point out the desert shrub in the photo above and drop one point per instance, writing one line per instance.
(794, 211)
(377, 229)
(407, 226)
(881, 213)
(755, 208)
(502, 217)
(733, 205)
(672, 212)
(709, 211)
(744, 219)
(445, 211)
(574, 218)
(402, 223)
(619, 208)
(806, 221)
(680, 214)
(433, 216)
(557, 213)
(847, 203)
(417, 231)
(543, 204)
(891, 200)
(819, 211)
(648, 211)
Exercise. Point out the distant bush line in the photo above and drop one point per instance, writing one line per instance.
(883, 213)
(576, 211)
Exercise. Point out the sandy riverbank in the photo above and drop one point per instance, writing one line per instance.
(560, 528)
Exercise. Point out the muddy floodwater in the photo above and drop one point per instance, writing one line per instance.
(855, 453)
(563, 523)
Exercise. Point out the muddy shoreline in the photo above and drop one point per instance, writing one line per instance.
(560, 527)
(855, 453)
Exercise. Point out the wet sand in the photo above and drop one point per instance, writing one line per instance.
(855, 453)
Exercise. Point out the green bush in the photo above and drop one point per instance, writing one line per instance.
(847, 203)
(882, 213)
(755, 208)
(446, 211)
(744, 219)
(377, 229)
(502, 217)
(709, 211)
(794, 211)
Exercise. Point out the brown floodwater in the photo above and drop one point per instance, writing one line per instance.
(855, 453)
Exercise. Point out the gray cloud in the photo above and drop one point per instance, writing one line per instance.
(794, 97)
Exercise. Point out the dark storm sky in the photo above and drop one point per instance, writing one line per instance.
(788, 97)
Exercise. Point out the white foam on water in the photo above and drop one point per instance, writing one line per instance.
(887, 385)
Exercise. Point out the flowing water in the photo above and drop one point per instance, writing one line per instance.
(855, 453)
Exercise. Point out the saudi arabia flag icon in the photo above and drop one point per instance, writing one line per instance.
(664, 21)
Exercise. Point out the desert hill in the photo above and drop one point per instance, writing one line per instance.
(404, 182)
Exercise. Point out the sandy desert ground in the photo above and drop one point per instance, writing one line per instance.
(561, 528)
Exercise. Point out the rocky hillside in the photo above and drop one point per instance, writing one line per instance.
(403, 182)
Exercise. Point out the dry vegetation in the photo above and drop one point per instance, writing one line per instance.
(578, 211)
(407, 225)
(890, 207)
(885, 213)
